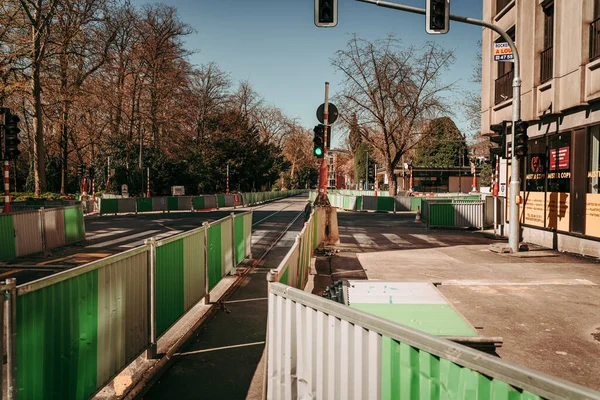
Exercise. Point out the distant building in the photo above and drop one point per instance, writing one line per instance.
(559, 46)
(336, 178)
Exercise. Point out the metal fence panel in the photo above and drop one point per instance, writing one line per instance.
(169, 284)
(54, 228)
(229, 201)
(369, 203)
(184, 203)
(172, 203)
(402, 203)
(144, 204)
(210, 201)
(194, 268)
(385, 203)
(28, 233)
(440, 214)
(239, 239)
(220, 200)
(7, 238)
(74, 224)
(159, 204)
(248, 235)
(198, 202)
(469, 214)
(227, 246)
(109, 206)
(321, 349)
(127, 205)
(214, 256)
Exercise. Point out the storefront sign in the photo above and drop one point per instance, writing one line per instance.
(559, 157)
(592, 215)
(557, 211)
(534, 208)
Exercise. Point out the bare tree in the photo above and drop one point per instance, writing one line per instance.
(393, 91)
(273, 125)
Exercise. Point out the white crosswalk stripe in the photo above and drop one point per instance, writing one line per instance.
(257, 235)
(396, 239)
(94, 236)
(429, 239)
(363, 240)
(157, 237)
(123, 239)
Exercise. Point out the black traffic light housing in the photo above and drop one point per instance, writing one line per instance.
(326, 13)
(521, 138)
(437, 16)
(499, 139)
(319, 141)
(11, 136)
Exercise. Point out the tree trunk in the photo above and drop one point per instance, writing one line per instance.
(393, 182)
(64, 147)
(39, 153)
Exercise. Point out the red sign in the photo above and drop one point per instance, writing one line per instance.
(562, 155)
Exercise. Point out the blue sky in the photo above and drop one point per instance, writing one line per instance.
(276, 46)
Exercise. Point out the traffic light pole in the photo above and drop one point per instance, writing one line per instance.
(515, 181)
(322, 196)
(7, 208)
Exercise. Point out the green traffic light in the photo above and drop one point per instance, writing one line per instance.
(318, 151)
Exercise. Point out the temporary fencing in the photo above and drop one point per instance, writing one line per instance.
(188, 203)
(318, 348)
(454, 213)
(77, 329)
(29, 232)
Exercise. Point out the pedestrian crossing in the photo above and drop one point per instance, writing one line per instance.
(389, 241)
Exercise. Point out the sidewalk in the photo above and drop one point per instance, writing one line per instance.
(543, 303)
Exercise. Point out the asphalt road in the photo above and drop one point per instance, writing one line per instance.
(222, 357)
(110, 234)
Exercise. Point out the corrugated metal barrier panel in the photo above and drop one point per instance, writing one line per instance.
(240, 242)
(74, 228)
(321, 349)
(144, 204)
(370, 203)
(221, 200)
(227, 245)
(385, 203)
(127, 205)
(210, 201)
(198, 202)
(184, 203)
(7, 237)
(172, 203)
(159, 204)
(214, 256)
(54, 228)
(28, 233)
(440, 214)
(169, 284)
(194, 268)
(469, 214)
(109, 206)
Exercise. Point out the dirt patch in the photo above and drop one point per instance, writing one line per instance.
(596, 335)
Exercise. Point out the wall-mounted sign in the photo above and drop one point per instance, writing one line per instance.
(559, 158)
(503, 52)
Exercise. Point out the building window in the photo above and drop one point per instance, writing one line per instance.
(559, 163)
(503, 87)
(547, 54)
(595, 32)
(594, 161)
(501, 4)
(535, 170)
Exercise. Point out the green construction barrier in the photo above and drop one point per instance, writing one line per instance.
(220, 200)
(441, 214)
(144, 204)
(74, 226)
(172, 203)
(169, 285)
(239, 239)
(214, 256)
(109, 206)
(385, 203)
(416, 203)
(7, 237)
(198, 203)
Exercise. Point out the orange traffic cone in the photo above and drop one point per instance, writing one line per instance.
(418, 217)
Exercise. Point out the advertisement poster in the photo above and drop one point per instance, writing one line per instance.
(592, 215)
(559, 159)
(557, 211)
(534, 208)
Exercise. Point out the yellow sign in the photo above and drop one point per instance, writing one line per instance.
(534, 208)
(592, 215)
(557, 210)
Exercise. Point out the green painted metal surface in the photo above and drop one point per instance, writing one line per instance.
(74, 228)
(214, 256)
(416, 203)
(144, 204)
(315, 229)
(385, 203)
(239, 240)
(7, 238)
(441, 214)
(169, 285)
(284, 276)
(359, 200)
(109, 206)
(57, 327)
(435, 319)
(172, 203)
(220, 200)
(198, 203)
(410, 373)
(194, 269)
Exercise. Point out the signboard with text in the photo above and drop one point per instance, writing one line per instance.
(559, 158)
(503, 52)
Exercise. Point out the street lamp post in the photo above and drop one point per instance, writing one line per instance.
(515, 181)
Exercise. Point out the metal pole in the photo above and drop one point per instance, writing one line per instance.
(148, 183)
(227, 181)
(515, 181)
(151, 243)
(11, 339)
(7, 207)
(367, 170)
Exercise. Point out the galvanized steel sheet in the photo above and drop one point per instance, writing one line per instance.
(226, 246)
(194, 268)
(54, 228)
(184, 203)
(210, 201)
(229, 202)
(369, 203)
(469, 214)
(159, 204)
(127, 205)
(248, 234)
(402, 203)
(28, 232)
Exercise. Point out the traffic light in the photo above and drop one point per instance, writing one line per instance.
(325, 13)
(318, 141)
(437, 16)
(11, 137)
(499, 139)
(521, 138)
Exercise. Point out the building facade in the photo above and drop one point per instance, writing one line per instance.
(336, 178)
(559, 45)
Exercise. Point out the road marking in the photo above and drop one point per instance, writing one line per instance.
(564, 282)
(123, 239)
(236, 346)
(14, 271)
(157, 237)
(257, 235)
(395, 239)
(242, 301)
(429, 239)
(363, 240)
(287, 239)
(117, 232)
